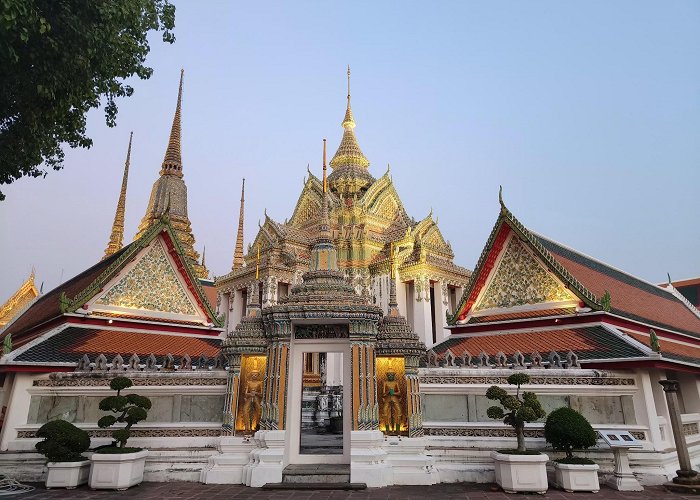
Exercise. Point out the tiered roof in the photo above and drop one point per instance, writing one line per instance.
(555, 299)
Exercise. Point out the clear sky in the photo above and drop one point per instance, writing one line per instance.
(588, 114)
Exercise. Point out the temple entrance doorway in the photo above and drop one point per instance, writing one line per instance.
(319, 416)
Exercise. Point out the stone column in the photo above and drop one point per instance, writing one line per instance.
(236, 307)
(442, 304)
(685, 475)
(422, 321)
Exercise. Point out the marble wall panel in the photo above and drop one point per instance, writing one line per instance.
(445, 408)
(198, 408)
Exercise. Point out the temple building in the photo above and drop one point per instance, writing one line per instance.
(344, 336)
(366, 218)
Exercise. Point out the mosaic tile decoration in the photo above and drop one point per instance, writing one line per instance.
(152, 284)
(519, 280)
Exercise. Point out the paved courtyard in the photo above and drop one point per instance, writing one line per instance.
(157, 491)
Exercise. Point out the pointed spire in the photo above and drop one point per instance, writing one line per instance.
(116, 239)
(324, 228)
(238, 251)
(204, 256)
(172, 163)
(349, 152)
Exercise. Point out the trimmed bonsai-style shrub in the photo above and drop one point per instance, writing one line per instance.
(514, 410)
(130, 409)
(567, 430)
(63, 442)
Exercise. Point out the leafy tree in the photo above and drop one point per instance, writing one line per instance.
(130, 409)
(518, 410)
(567, 430)
(59, 59)
(63, 441)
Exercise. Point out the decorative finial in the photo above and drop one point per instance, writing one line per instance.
(324, 167)
(388, 168)
(348, 83)
(116, 238)
(654, 341)
(500, 196)
(257, 264)
(204, 253)
(669, 279)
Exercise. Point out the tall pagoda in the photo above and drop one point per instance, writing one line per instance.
(366, 216)
(169, 194)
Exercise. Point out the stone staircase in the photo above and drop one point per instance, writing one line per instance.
(316, 477)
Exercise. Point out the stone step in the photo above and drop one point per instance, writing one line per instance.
(314, 486)
(316, 474)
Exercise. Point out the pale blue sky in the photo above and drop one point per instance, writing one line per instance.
(588, 114)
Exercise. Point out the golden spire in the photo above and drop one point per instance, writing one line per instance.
(257, 264)
(116, 239)
(204, 258)
(324, 233)
(325, 180)
(169, 195)
(172, 163)
(349, 152)
(238, 251)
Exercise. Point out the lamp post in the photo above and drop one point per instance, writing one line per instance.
(686, 478)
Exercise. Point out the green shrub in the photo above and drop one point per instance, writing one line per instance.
(63, 441)
(568, 430)
(130, 409)
(519, 411)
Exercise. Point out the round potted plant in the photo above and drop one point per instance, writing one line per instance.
(518, 469)
(567, 430)
(63, 446)
(119, 466)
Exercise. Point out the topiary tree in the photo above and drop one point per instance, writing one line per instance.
(63, 441)
(517, 411)
(567, 430)
(130, 409)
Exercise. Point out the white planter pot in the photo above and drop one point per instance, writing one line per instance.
(67, 474)
(117, 472)
(571, 477)
(516, 473)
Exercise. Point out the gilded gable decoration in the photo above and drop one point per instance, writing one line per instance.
(152, 285)
(520, 280)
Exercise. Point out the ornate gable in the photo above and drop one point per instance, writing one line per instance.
(519, 279)
(24, 296)
(150, 284)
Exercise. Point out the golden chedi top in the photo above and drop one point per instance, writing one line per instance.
(169, 193)
(349, 152)
(116, 238)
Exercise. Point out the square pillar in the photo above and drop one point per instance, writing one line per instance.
(442, 304)
(236, 309)
(422, 319)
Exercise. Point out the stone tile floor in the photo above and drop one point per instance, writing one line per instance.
(177, 490)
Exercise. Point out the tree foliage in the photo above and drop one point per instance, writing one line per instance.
(514, 410)
(568, 430)
(63, 441)
(130, 409)
(59, 59)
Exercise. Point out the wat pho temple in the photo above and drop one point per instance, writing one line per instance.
(346, 334)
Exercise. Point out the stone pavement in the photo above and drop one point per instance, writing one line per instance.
(176, 490)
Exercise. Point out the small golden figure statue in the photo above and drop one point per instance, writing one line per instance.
(391, 406)
(252, 401)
